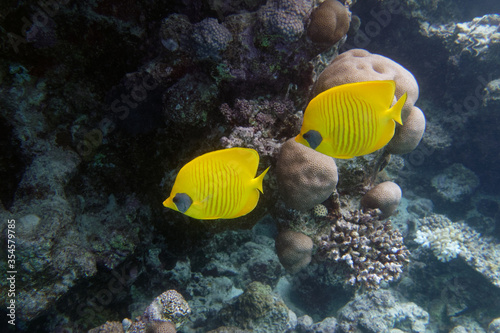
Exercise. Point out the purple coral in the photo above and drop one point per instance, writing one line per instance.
(210, 38)
(372, 250)
(285, 17)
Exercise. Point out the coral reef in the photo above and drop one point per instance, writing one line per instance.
(285, 18)
(306, 177)
(165, 314)
(475, 37)
(258, 309)
(407, 137)
(455, 183)
(294, 250)
(108, 327)
(329, 22)
(381, 311)
(449, 239)
(210, 38)
(370, 249)
(494, 326)
(358, 65)
(259, 123)
(384, 196)
(92, 132)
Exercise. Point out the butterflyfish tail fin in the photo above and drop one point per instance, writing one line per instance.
(395, 111)
(260, 179)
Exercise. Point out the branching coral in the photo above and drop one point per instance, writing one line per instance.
(372, 250)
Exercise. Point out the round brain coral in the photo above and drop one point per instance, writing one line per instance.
(407, 137)
(294, 250)
(384, 196)
(284, 17)
(359, 65)
(329, 22)
(305, 177)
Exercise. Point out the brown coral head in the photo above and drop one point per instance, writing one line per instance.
(329, 22)
(384, 196)
(294, 250)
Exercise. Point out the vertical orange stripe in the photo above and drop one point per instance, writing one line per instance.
(228, 198)
(357, 135)
(365, 120)
(374, 122)
(211, 188)
(225, 195)
(230, 192)
(346, 107)
(325, 112)
(340, 127)
(345, 128)
(217, 188)
(353, 125)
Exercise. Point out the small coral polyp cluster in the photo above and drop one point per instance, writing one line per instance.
(371, 249)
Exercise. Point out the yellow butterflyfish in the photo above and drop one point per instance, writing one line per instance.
(218, 185)
(352, 119)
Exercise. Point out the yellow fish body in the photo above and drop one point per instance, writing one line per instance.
(352, 119)
(218, 185)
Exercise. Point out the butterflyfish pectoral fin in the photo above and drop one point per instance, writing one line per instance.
(182, 201)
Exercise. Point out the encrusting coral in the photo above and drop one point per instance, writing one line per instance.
(384, 196)
(294, 250)
(305, 177)
(329, 22)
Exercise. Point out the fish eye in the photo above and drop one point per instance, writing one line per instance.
(313, 137)
(182, 201)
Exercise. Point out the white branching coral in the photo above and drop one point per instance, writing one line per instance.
(444, 242)
(449, 239)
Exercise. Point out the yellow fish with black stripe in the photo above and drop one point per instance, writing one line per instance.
(218, 185)
(352, 119)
